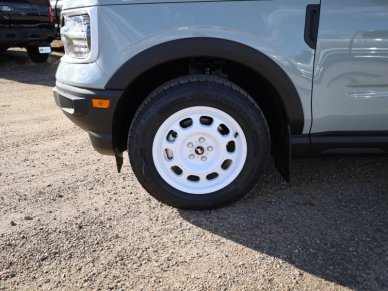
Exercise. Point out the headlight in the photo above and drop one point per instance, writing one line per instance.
(76, 36)
(79, 34)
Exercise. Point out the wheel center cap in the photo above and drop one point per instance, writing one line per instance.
(199, 150)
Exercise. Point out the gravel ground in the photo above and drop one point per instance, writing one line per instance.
(70, 222)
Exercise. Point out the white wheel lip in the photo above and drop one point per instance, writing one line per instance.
(226, 177)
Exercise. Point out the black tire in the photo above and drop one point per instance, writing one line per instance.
(184, 94)
(3, 48)
(35, 55)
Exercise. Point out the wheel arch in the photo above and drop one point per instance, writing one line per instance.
(218, 48)
(136, 73)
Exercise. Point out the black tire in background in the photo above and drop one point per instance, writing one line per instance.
(3, 48)
(35, 55)
(215, 95)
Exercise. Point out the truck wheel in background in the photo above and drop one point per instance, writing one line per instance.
(35, 55)
(3, 48)
(198, 142)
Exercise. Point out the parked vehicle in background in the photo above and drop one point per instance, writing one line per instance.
(57, 6)
(28, 24)
(201, 93)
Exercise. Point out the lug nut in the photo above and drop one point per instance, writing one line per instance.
(210, 148)
(203, 159)
(190, 145)
(191, 156)
(201, 139)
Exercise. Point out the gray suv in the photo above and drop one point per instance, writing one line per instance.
(203, 93)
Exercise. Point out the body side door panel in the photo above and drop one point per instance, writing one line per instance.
(350, 85)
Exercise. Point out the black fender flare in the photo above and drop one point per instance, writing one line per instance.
(219, 48)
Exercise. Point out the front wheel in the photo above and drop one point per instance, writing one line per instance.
(198, 142)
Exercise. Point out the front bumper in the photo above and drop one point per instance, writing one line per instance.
(76, 104)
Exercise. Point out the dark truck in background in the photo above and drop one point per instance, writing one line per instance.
(57, 7)
(29, 24)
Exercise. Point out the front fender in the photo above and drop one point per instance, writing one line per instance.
(220, 48)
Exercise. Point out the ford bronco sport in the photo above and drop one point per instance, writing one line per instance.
(202, 93)
(29, 24)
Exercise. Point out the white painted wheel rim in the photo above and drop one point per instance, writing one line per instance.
(199, 150)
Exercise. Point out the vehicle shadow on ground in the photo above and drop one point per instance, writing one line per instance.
(15, 65)
(331, 221)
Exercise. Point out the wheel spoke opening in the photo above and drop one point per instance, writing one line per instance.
(168, 154)
(231, 146)
(185, 123)
(206, 120)
(212, 176)
(193, 178)
(223, 129)
(171, 136)
(226, 164)
(178, 171)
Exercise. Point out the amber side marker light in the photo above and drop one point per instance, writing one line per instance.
(101, 103)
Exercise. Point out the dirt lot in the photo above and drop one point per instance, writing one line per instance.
(69, 221)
